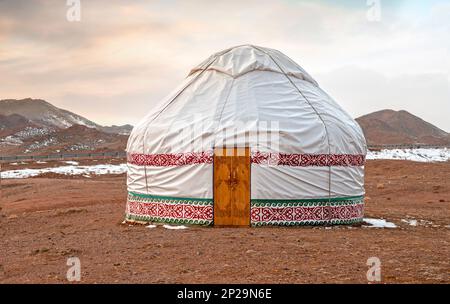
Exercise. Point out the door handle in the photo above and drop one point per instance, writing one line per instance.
(233, 179)
(233, 175)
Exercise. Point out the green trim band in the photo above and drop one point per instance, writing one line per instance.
(281, 203)
(165, 220)
(159, 197)
(254, 201)
(309, 200)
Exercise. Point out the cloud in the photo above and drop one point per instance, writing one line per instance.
(360, 91)
(127, 55)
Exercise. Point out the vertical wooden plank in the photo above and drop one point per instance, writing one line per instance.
(240, 187)
(222, 189)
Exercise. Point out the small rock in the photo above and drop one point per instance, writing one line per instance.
(40, 250)
(380, 186)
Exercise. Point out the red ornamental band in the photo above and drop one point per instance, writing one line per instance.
(260, 158)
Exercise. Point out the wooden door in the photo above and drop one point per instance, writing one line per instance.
(232, 187)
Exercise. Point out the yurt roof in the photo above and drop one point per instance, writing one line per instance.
(239, 60)
(236, 94)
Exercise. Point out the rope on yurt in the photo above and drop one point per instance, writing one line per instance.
(318, 114)
(221, 111)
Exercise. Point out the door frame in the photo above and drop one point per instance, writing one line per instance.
(249, 187)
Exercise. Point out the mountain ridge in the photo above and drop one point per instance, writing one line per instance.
(36, 126)
(44, 114)
(400, 128)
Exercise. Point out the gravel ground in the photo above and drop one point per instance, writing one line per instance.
(45, 220)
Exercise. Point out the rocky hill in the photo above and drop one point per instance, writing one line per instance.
(44, 114)
(400, 127)
(34, 126)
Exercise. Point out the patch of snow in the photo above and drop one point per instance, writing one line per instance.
(29, 132)
(150, 226)
(379, 223)
(418, 222)
(67, 170)
(175, 227)
(40, 144)
(80, 146)
(418, 155)
(56, 120)
(425, 222)
(71, 162)
(41, 162)
(410, 222)
(11, 140)
(80, 121)
(77, 121)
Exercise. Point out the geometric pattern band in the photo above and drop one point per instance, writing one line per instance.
(257, 157)
(342, 211)
(307, 160)
(150, 208)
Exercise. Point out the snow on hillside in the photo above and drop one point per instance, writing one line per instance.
(66, 119)
(29, 132)
(67, 170)
(10, 140)
(78, 120)
(419, 155)
(41, 144)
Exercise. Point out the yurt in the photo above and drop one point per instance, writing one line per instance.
(249, 138)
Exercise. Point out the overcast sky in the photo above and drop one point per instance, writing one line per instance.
(122, 57)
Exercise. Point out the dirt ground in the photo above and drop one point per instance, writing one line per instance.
(45, 220)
